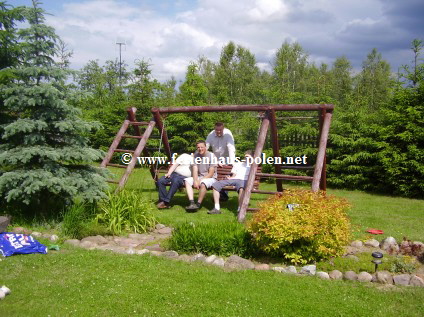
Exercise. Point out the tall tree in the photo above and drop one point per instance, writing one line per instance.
(341, 80)
(44, 156)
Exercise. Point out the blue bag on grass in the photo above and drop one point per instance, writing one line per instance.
(14, 243)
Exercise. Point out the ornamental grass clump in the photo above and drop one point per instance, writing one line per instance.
(302, 226)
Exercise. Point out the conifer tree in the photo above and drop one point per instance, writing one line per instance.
(44, 157)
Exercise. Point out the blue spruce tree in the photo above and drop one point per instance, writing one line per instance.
(44, 157)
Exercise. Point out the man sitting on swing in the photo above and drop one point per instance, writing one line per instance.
(204, 175)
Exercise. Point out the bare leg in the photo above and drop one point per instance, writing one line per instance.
(216, 195)
(202, 193)
(189, 190)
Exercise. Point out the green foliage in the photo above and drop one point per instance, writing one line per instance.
(78, 221)
(403, 264)
(222, 239)
(126, 211)
(316, 228)
(44, 158)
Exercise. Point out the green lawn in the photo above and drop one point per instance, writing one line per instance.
(75, 282)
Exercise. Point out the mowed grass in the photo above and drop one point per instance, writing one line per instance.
(397, 217)
(75, 282)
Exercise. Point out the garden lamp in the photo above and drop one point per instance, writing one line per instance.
(377, 259)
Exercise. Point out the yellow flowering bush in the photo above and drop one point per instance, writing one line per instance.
(302, 226)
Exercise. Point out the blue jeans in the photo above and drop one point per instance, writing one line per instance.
(176, 180)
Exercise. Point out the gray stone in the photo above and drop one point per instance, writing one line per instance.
(210, 259)
(372, 243)
(291, 269)
(323, 275)
(384, 277)
(170, 254)
(141, 252)
(308, 269)
(388, 243)
(18, 230)
(160, 226)
(4, 222)
(113, 248)
(416, 281)
(336, 275)
(36, 234)
(262, 267)
(99, 240)
(357, 244)
(219, 262)
(74, 242)
(130, 251)
(279, 269)
(364, 277)
(402, 279)
(54, 238)
(350, 276)
(127, 242)
(156, 253)
(199, 257)
(88, 245)
(154, 247)
(136, 236)
(165, 230)
(352, 257)
(184, 257)
(236, 262)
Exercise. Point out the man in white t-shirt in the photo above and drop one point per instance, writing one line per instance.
(175, 176)
(221, 141)
(238, 179)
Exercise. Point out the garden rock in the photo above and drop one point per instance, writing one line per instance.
(74, 242)
(95, 239)
(141, 252)
(364, 277)
(350, 276)
(352, 257)
(279, 269)
(416, 281)
(155, 247)
(4, 222)
(18, 230)
(236, 262)
(54, 238)
(262, 267)
(159, 226)
(308, 269)
(126, 242)
(323, 275)
(130, 251)
(184, 257)
(88, 245)
(170, 254)
(291, 269)
(357, 244)
(36, 234)
(372, 243)
(336, 275)
(165, 230)
(210, 259)
(388, 243)
(113, 248)
(156, 253)
(198, 257)
(402, 279)
(384, 277)
(219, 262)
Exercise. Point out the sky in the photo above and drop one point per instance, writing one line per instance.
(171, 34)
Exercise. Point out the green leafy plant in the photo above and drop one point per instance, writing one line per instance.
(403, 264)
(220, 239)
(126, 211)
(302, 226)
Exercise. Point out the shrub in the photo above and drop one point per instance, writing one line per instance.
(222, 239)
(301, 226)
(126, 211)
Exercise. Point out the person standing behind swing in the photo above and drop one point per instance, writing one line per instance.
(222, 142)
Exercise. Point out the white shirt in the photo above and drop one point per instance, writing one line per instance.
(184, 162)
(222, 146)
(241, 170)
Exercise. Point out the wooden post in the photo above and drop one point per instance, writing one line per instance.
(162, 131)
(136, 154)
(252, 174)
(321, 152)
(115, 143)
(323, 180)
(276, 148)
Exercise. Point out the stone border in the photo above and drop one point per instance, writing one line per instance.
(148, 243)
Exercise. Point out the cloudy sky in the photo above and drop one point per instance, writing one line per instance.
(170, 34)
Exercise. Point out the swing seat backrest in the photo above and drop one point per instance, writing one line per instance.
(225, 171)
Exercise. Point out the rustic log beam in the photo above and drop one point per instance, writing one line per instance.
(321, 151)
